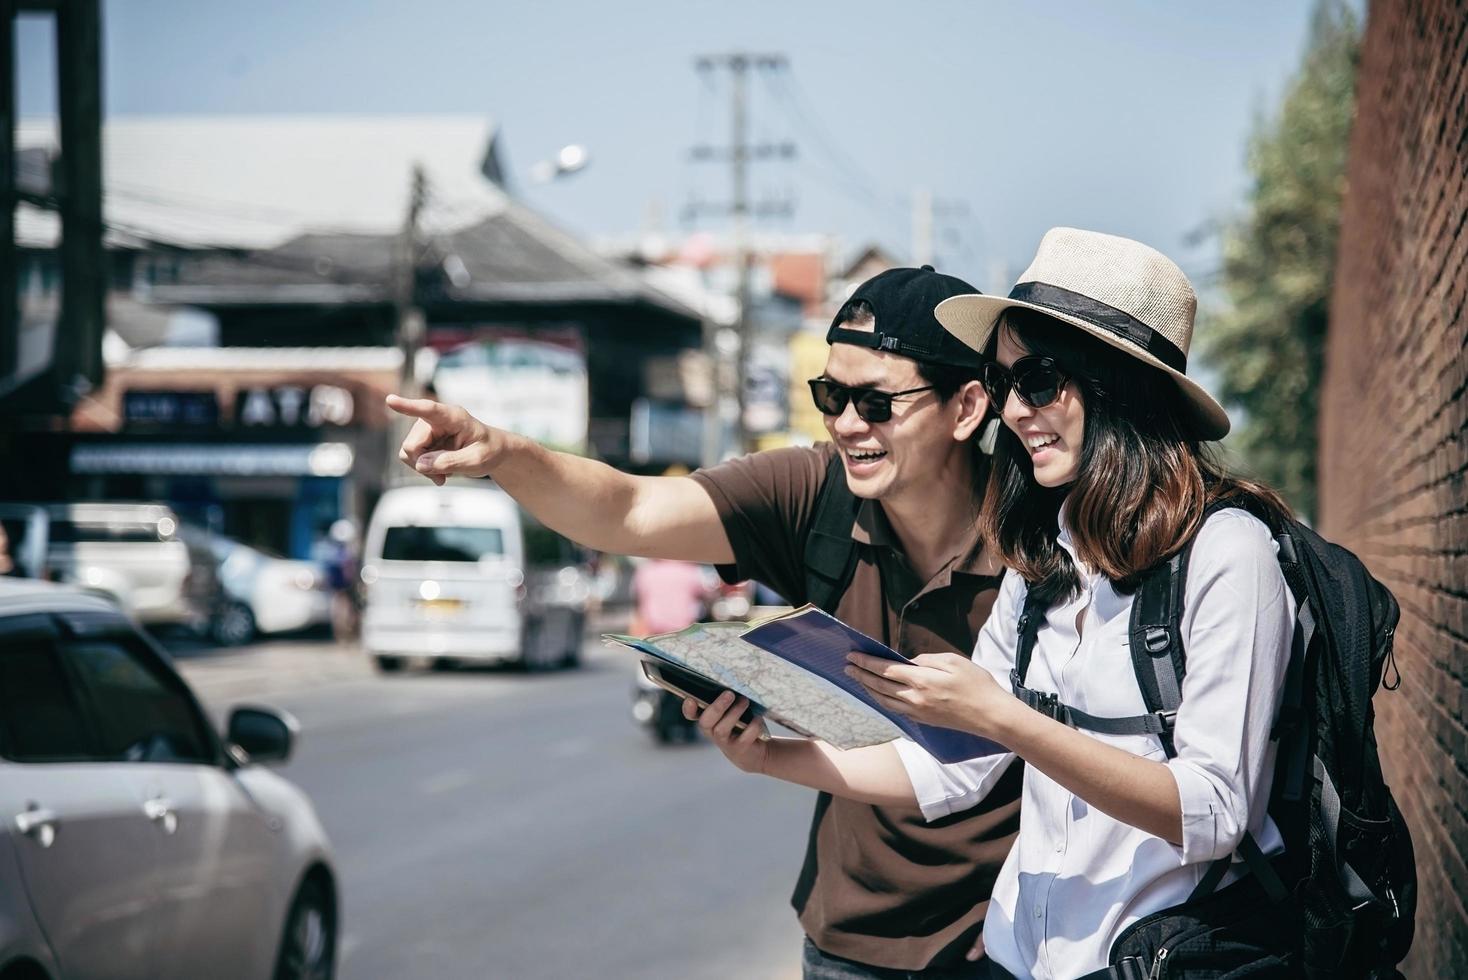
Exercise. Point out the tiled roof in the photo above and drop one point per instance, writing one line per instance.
(306, 209)
(260, 181)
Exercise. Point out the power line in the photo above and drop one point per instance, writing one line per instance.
(738, 154)
(861, 186)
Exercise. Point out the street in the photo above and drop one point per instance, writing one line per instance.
(492, 823)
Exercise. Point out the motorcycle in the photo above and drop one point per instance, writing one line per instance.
(661, 711)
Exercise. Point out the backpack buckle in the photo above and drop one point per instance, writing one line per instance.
(1167, 719)
(1157, 639)
(1049, 706)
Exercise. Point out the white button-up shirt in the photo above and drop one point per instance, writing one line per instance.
(1077, 877)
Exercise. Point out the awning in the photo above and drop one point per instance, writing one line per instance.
(192, 459)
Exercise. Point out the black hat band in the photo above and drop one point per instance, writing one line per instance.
(1116, 322)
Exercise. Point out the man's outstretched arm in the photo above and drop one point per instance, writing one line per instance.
(585, 500)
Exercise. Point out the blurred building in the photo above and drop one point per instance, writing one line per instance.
(1394, 426)
(259, 268)
(797, 282)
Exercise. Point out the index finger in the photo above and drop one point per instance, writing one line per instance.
(418, 408)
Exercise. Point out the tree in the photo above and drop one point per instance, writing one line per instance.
(1268, 341)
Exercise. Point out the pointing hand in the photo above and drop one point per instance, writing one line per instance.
(446, 440)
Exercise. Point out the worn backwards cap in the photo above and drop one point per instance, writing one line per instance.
(903, 301)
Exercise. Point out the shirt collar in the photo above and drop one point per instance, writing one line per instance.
(1063, 538)
(872, 528)
(1066, 542)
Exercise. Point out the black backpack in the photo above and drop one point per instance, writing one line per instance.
(1347, 881)
(830, 553)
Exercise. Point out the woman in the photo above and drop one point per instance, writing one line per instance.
(1100, 475)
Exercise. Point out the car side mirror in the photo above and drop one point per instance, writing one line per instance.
(264, 734)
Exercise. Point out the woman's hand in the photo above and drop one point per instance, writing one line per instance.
(748, 750)
(942, 689)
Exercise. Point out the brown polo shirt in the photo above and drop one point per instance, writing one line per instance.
(880, 885)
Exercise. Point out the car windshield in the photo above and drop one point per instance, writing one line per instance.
(121, 532)
(442, 543)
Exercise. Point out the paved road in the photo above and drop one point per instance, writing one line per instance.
(489, 823)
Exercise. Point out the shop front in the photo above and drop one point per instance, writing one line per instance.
(267, 446)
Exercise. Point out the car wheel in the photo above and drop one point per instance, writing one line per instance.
(234, 626)
(532, 650)
(571, 658)
(388, 665)
(308, 948)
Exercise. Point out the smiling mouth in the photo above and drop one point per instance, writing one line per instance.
(1036, 443)
(865, 455)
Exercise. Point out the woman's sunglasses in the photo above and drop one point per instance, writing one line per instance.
(1036, 380)
(872, 404)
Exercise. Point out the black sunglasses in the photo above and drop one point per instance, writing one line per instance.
(1036, 380)
(872, 404)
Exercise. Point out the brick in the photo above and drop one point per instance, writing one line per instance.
(1394, 462)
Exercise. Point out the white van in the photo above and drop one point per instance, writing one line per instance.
(443, 575)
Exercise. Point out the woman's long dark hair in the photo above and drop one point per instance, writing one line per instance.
(1144, 481)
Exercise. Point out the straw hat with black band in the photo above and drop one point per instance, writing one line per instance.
(1119, 291)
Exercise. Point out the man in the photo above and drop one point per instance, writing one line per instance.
(880, 890)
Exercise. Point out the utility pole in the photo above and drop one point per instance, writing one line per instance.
(410, 323)
(9, 307)
(408, 320)
(738, 153)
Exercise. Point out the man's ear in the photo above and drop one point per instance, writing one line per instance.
(971, 405)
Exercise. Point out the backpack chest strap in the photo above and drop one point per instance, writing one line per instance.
(1157, 723)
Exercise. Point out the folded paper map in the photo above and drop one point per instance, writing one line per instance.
(794, 666)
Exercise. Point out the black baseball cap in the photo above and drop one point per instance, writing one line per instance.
(903, 301)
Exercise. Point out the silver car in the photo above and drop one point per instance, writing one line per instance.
(131, 552)
(135, 842)
(261, 593)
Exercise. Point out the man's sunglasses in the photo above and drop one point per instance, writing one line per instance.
(1036, 380)
(872, 404)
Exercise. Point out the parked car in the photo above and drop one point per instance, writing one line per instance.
(136, 842)
(260, 592)
(132, 553)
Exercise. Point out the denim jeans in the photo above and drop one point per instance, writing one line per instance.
(816, 965)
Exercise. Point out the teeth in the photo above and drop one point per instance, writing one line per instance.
(1037, 442)
(864, 457)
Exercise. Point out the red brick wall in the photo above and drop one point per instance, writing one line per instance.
(1394, 426)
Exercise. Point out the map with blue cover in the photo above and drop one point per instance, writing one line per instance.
(819, 642)
(794, 666)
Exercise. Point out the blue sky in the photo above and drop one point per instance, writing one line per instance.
(1127, 117)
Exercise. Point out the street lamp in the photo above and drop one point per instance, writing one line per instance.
(568, 160)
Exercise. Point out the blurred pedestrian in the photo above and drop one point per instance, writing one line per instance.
(343, 568)
(877, 526)
(8, 564)
(668, 595)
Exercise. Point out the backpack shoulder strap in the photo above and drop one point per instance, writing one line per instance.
(830, 552)
(1031, 618)
(1159, 658)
